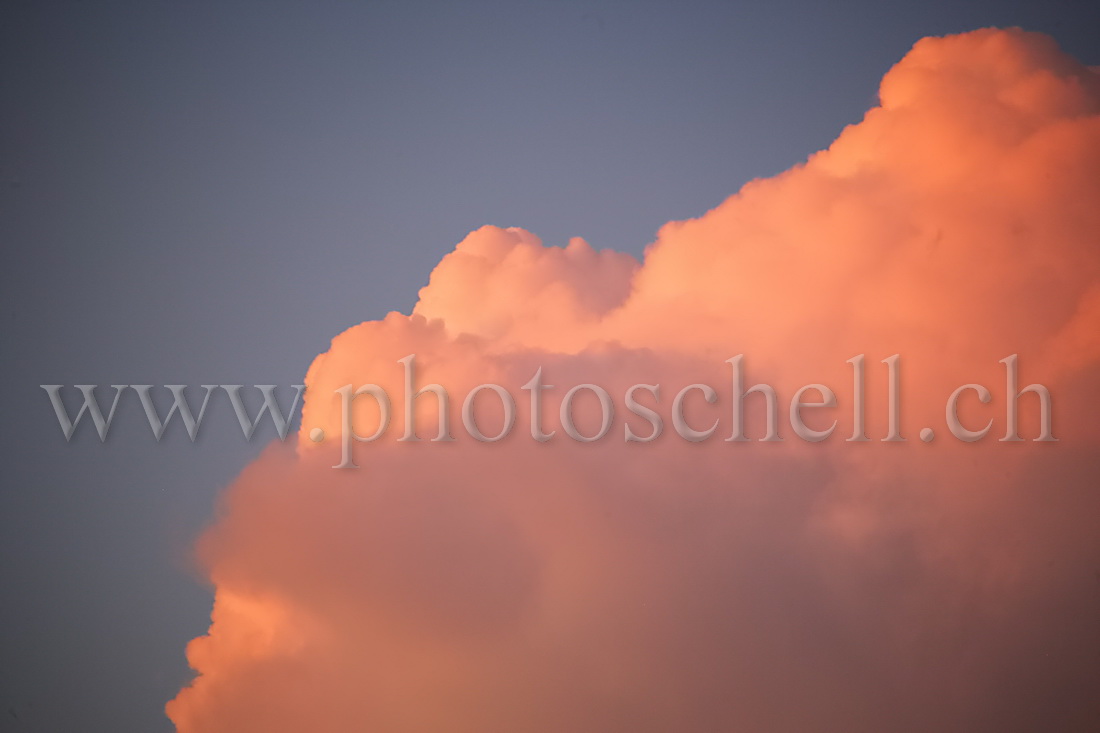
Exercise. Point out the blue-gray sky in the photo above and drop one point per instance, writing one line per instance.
(208, 192)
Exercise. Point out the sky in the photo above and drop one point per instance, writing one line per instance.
(210, 193)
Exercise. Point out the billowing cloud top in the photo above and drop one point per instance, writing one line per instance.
(677, 585)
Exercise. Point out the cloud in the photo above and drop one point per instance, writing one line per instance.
(672, 585)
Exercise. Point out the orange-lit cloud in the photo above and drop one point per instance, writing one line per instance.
(852, 586)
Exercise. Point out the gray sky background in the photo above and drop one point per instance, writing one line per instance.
(207, 193)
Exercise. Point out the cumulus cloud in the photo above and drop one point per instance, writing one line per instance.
(676, 585)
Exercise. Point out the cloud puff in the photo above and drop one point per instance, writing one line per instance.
(674, 585)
